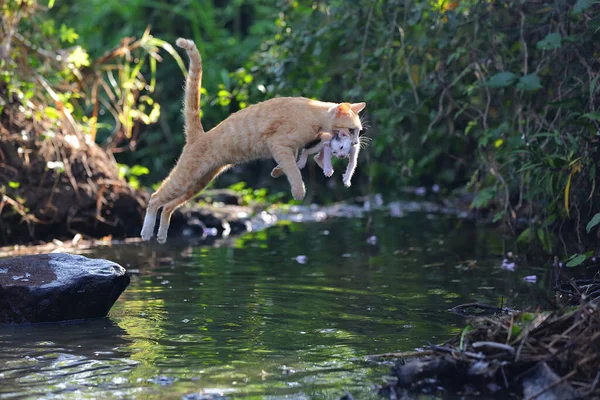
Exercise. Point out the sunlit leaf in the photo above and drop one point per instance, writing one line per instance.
(14, 185)
(67, 34)
(567, 190)
(138, 170)
(79, 57)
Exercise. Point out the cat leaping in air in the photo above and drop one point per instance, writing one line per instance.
(275, 128)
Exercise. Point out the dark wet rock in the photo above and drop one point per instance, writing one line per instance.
(58, 287)
(196, 222)
(162, 380)
(542, 383)
(347, 396)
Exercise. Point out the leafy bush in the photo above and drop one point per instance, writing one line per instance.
(497, 97)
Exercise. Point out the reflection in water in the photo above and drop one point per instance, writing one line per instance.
(249, 318)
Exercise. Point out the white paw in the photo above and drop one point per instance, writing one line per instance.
(346, 180)
(161, 238)
(328, 171)
(301, 163)
(299, 192)
(147, 232)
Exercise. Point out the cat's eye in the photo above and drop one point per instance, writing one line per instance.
(352, 130)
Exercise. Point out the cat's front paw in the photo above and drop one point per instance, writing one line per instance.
(299, 192)
(328, 171)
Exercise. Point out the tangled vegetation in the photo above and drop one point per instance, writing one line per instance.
(495, 99)
(499, 98)
(55, 180)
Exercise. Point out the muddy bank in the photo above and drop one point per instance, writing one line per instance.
(533, 355)
(209, 224)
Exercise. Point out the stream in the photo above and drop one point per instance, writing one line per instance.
(290, 312)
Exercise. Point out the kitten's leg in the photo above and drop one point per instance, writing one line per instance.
(301, 163)
(285, 157)
(319, 159)
(327, 167)
(351, 165)
(169, 208)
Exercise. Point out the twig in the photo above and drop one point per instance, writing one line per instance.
(494, 345)
(403, 354)
(364, 42)
(407, 66)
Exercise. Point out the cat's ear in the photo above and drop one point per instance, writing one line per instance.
(357, 107)
(341, 109)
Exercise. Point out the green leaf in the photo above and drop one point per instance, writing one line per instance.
(595, 221)
(595, 116)
(529, 83)
(501, 80)
(52, 112)
(581, 5)
(14, 185)
(50, 3)
(576, 260)
(79, 57)
(552, 41)
(67, 34)
(462, 336)
(138, 170)
(524, 236)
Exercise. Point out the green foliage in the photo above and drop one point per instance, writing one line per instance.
(500, 95)
(576, 260)
(226, 33)
(593, 222)
(255, 196)
(132, 174)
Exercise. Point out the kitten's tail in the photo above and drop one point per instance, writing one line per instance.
(193, 126)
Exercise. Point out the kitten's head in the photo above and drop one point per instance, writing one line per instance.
(346, 119)
(340, 144)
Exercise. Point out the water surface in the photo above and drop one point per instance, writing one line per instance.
(249, 318)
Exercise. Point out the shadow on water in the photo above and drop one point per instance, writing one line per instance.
(289, 311)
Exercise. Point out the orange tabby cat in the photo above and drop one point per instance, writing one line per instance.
(275, 128)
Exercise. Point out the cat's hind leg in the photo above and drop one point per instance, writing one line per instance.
(157, 200)
(169, 208)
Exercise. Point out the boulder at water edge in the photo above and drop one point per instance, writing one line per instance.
(58, 287)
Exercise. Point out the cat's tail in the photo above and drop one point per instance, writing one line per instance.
(191, 109)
